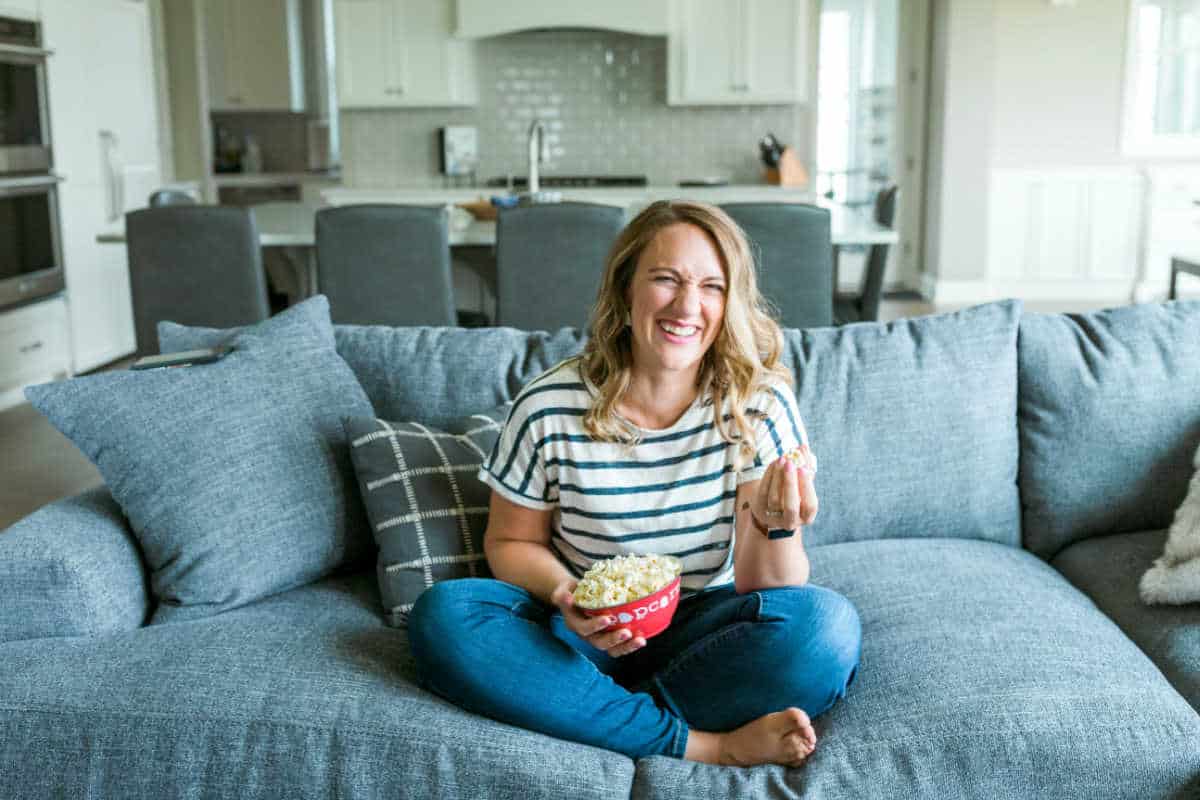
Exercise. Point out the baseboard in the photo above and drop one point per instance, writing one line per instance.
(952, 292)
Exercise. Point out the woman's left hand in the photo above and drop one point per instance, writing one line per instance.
(785, 498)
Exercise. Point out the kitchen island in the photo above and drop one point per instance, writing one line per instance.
(292, 224)
(288, 228)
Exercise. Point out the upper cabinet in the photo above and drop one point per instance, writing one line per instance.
(396, 53)
(255, 55)
(737, 52)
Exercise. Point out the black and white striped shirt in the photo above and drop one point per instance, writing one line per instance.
(672, 493)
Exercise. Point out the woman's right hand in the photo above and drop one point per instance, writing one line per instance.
(617, 642)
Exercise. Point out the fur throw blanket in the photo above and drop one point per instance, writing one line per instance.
(1175, 577)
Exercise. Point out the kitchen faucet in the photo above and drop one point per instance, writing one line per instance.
(538, 152)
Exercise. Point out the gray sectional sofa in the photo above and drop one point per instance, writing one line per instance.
(993, 484)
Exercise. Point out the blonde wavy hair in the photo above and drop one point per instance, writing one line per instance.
(740, 362)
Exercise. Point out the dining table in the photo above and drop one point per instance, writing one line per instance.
(289, 229)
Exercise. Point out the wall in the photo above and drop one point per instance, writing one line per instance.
(603, 95)
(1027, 93)
(961, 111)
(1058, 83)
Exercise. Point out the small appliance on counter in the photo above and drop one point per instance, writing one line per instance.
(228, 150)
(458, 152)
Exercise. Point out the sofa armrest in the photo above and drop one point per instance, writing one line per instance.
(71, 568)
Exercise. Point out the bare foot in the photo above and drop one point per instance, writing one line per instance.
(783, 737)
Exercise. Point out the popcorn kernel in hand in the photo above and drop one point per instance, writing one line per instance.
(803, 458)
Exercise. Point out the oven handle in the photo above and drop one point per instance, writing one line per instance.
(15, 185)
(19, 50)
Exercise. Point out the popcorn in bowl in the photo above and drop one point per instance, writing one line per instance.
(639, 591)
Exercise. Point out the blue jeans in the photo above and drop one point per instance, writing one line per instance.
(494, 649)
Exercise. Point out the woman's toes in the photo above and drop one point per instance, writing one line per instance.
(795, 717)
(797, 749)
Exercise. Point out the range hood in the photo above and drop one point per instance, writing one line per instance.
(480, 18)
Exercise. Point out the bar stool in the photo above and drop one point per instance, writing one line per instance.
(385, 264)
(795, 258)
(195, 265)
(549, 261)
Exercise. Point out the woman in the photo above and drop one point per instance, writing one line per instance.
(621, 450)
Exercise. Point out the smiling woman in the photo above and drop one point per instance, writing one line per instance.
(667, 436)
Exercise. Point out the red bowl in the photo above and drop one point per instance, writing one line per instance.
(647, 616)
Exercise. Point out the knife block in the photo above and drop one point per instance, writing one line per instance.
(790, 171)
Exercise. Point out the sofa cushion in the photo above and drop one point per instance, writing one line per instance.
(235, 475)
(984, 674)
(915, 423)
(1109, 420)
(427, 508)
(428, 375)
(1107, 569)
(305, 694)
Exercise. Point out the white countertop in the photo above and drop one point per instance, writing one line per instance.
(292, 224)
(624, 196)
(273, 178)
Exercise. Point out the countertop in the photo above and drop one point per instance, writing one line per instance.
(623, 196)
(292, 224)
(274, 178)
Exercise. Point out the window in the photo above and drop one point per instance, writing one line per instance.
(1162, 79)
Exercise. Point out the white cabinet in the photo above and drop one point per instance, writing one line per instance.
(104, 125)
(397, 53)
(255, 55)
(737, 52)
(33, 347)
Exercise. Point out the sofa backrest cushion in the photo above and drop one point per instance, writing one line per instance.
(1109, 418)
(913, 422)
(429, 375)
(438, 375)
(914, 425)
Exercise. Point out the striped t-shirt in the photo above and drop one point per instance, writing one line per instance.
(672, 493)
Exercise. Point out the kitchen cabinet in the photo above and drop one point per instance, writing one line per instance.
(33, 347)
(104, 126)
(737, 52)
(401, 53)
(255, 55)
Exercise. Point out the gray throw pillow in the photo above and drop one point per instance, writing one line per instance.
(427, 508)
(235, 475)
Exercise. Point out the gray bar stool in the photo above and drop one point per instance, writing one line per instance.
(385, 264)
(864, 306)
(195, 265)
(795, 259)
(549, 261)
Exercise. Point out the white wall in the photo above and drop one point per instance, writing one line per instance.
(1033, 87)
(1058, 83)
(961, 109)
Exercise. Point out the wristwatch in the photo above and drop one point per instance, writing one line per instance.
(770, 533)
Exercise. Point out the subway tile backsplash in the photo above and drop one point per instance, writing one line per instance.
(602, 96)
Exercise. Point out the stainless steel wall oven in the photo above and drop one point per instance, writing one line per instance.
(31, 263)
